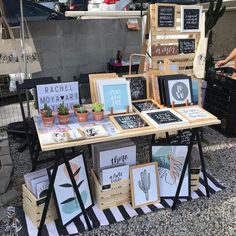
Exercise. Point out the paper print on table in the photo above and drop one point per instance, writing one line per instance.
(94, 131)
(115, 95)
(164, 117)
(170, 164)
(144, 184)
(178, 90)
(65, 197)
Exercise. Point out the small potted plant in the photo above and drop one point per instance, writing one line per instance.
(48, 118)
(97, 111)
(63, 113)
(44, 109)
(75, 107)
(82, 114)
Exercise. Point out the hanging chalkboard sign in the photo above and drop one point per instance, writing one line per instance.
(146, 105)
(163, 117)
(138, 87)
(186, 46)
(165, 16)
(191, 18)
(127, 122)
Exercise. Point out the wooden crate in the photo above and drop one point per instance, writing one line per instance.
(194, 179)
(111, 195)
(33, 207)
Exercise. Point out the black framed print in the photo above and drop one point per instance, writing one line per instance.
(170, 159)
(144, 105)
(66, 201)
(178, 90)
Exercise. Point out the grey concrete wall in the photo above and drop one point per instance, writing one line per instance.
(68, 48)
(224, 37)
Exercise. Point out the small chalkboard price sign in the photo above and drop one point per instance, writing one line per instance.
(191, 18)
(145, 105)
(186, 46)
(164, 117)
(166, 16)
(138, 87)
(129, 122)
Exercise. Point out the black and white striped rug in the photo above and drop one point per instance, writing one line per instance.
(109, 216)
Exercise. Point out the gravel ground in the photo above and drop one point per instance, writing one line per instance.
(205, 216)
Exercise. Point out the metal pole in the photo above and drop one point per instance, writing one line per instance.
(24, 53)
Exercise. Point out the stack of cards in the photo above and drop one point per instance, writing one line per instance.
(111, 161)
(37, 182)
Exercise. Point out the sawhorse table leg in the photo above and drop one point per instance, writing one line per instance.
(195, 134)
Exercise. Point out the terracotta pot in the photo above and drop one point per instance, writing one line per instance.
(82, 117)
(98, 115)
(48, 121)
(75, 110)
(63, 119)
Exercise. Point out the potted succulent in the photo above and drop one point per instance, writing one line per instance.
(63, 113)
(48, 118)
(97, 111)
(44, 109)
(82, 114)
(75, 107)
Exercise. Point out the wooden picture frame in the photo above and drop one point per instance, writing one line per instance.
(115, 96)
(66, 201)
(168, 13)
(194, 113)
(92, 83)
(178, 90)
(139, 86)
(144, 184)
(164, 117)
(171, 159)
(129, 122)
(145, 105)
(195, 11)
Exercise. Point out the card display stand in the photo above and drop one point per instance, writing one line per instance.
(107, 196)
(194, 179)
(168, 39)
(33, 207)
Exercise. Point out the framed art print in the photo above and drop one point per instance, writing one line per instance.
(138, 86)
(115, 95)
(65, 197)
(170, 159)
(178, 90)
(144, 182)
(191, 18)
(129, 122)
(144, 105)
(164, 117)
(194, 113)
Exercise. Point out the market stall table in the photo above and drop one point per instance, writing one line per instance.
(59, 147)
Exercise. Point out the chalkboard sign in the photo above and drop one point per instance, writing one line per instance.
(190, 18)
(138, 88)
(164, 117)
(186, 46)
(166, 16)
(147, 105)
(129, 121)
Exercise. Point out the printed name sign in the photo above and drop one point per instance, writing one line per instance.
(166, 16)
(115, 174)
(164, 50)
(191, 18)
(54, 94)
